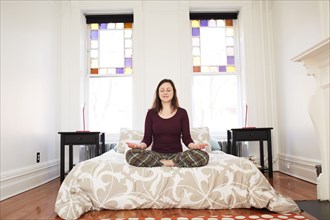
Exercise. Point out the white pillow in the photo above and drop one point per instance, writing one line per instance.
(127, 135)
(199, 135)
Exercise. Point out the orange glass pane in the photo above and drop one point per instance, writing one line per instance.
(94, 71)
(127, 25)
(229, 22)
(196, 69)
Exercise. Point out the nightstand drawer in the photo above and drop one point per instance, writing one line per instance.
(251, 135)
(80, 139)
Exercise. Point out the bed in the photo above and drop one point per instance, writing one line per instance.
(109, 182)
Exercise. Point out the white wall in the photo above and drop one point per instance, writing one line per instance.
(297, 26)
(29, 106)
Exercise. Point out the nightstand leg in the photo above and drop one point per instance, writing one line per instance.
(62, 163)
(70, 157)
(270, 157)
(262, 160)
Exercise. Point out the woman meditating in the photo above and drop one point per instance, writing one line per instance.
(165, 125)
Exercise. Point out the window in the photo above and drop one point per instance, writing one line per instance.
(216, 75)
(110, 72)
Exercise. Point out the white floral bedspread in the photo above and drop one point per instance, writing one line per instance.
(108, 182)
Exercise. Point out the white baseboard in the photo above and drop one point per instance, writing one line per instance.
(302, 168)
(18, 181)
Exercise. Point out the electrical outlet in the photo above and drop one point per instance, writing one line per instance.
(288, 166)
(38, 157)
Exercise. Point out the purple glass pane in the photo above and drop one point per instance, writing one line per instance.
(119, 70)
(222, 69)
(128, 62)
(103, 26)
(195, 32)
(230, 60)
(203, 23)
(94, 35)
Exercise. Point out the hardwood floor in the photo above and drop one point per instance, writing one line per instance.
(39, 203)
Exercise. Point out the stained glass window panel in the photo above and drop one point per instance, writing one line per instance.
(94, 54)
(127, 25)
(111, 48)
(221, 23)
(222, 69)
(203, 23)
(94, 44)
(128, 33)
(196, 69)
(111, 70)
(94, 26)
(103, 71)
(128, 43)
(111, 25)
(195, 31)
(230, 60)
(128, 62)
(230, 41)
(230, 51)
(94, 71)
(103, 26)
(128, 70)
(212, 23)
(128, 52)
(229, 22)
(196, 51)
(230, 69)
(195, 41)
(195, 23)
(213, 44)
(196, 61)
(94, 35)
(94, 63)
(119, 25)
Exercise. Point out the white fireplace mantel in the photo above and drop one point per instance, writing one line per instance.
(316, 60)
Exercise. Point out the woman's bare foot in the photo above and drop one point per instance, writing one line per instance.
(167, 163)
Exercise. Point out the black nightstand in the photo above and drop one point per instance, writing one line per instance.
(252, 134)
(79, 138)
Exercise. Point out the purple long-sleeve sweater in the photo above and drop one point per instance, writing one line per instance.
(165, 134)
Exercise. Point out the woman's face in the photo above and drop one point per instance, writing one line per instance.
(166, 92)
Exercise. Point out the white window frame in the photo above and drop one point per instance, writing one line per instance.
(223, 133)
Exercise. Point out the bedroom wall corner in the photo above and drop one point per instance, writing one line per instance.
(29, 94)
(298, 143)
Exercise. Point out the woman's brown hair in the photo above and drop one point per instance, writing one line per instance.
(157, 104)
